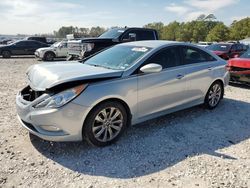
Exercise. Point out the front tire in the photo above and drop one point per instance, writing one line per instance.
(214, 95)
(49, 56)
(105, 124)
(6, 54)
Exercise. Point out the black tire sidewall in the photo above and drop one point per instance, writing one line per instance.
(207, 105)
(47, 54)
(4, 54)
(87, 127)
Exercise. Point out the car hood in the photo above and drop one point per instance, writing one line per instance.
(45, 49)
(239, 62)
(48, 75)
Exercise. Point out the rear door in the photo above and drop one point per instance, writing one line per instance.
(199, 67)
(163, 90)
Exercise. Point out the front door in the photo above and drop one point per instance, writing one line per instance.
(164, 90)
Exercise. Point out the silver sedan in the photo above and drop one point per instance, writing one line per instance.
(97, 98)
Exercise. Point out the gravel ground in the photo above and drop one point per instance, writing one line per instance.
(191, 148)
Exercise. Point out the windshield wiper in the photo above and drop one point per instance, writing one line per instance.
(99, 66)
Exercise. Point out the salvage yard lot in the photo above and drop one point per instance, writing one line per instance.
(191, 148)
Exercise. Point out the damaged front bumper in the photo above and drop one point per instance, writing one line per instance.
(240, 76)
(55, 124)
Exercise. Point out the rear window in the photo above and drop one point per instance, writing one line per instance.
(112, 33)
(193, 55)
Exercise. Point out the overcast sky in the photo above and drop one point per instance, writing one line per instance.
(45, 16)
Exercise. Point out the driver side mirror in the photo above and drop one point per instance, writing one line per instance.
(132, 36)
(151, 68)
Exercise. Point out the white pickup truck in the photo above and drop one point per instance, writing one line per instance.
(57, 50)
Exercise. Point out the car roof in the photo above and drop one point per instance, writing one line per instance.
(152, 43)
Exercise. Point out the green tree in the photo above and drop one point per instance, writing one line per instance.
(240, 29)
(171, 31)
(219, 33)
(96, 31)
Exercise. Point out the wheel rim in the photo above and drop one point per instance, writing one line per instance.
(107, 124)
(214, 95)
(6, 54)
(50, 57)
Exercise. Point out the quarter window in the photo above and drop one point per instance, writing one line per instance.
(192, 55)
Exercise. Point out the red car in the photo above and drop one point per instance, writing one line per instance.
(239, 68)
(227, 50)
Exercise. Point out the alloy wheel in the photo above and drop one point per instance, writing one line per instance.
(214, 95)
(107, 124)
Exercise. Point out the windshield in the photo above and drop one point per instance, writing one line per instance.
(246, 54)
(112, 33)
(56, 44)
(118, 57)
(219, 47)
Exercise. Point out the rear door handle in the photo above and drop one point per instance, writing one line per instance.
(179, 76)
(210, 68)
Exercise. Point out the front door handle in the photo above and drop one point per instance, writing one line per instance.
(179, 76)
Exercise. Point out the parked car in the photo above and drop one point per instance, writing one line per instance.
(227, 50)
(79, 49)
(41, 39)
(5, 41)
(204, 44)
(56, 50)
(239, 68)
(98, 97)
(22, 47)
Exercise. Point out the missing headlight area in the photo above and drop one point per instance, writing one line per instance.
(30, 95)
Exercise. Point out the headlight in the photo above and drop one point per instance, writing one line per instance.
(61, 98)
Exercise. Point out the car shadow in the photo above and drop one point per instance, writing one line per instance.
(240, 85)
(20, 57)
(157, 144)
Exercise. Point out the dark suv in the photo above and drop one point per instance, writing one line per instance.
(227, 50)
(82, 48)
(23, 47)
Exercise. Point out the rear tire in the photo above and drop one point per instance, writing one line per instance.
(6, 54)
(49, 56)
(105, 123)
(214, 95)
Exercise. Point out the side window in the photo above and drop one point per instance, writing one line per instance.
(64, 45)
(239, 47)
(140, 35)
(145, 35)
(193, 55)
(167, 58)
(234, 48)
(21, 43)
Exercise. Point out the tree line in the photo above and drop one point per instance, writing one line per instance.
(204, 28)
